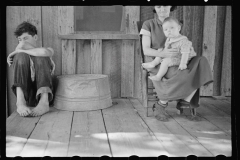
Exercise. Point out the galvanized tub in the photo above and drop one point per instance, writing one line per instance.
(82, 92)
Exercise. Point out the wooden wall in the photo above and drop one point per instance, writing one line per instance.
(209, 28)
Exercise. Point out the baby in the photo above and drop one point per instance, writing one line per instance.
(171, 29)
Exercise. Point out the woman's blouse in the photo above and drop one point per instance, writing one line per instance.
(153, 28)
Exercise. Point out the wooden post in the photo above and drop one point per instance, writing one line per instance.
(65, 19)
(227, 54)
(50, 35)
(132, 16)
(217, 67)
(209, 42)
(66, 26)
(68, 56)
(96, 56)
(83, 56)
(127, 71)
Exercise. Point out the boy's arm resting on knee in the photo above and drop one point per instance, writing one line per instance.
(38, 52)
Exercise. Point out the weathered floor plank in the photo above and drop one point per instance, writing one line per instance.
(88, 135)
(120, 130)
(210, 110)
(216, 118)
(128, 134)
(175, 139)
(18, 130)
(59, 135)
(43, 135)
(219, 105)
(210, 136)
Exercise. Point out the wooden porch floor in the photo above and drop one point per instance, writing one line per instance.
(121, 131)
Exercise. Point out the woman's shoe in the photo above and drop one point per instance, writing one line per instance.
(159, 111)
(184, 104)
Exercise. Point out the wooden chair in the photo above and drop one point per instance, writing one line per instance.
(148, 89)
(149, 94)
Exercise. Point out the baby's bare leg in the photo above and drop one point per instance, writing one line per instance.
(152, 64)
(162, 70)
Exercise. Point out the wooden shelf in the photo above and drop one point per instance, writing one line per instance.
(99, 36)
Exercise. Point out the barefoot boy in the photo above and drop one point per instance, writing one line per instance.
(32, 68)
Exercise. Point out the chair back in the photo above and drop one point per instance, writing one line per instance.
(139, 25)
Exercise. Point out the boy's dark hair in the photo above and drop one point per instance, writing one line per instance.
(171, 9)
(25, 27)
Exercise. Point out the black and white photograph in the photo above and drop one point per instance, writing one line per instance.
(119, 81)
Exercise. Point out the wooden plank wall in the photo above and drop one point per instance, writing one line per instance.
(132, 16)
(226, 78)
(96, 56)
(15, 16)
(209, 42)
(50, 38)
(221, 15)
(205, 27)
(65, 26)
(112, 50)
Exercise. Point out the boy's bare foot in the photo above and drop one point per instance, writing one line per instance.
(148, 65)
(40, 109)
(155, 78)
(23, 110)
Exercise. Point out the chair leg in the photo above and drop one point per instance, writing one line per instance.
(180, 111)
(147, 111)
(153, 109)
(193, 111)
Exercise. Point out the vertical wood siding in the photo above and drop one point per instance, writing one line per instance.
(209, 42)
(96, 56)
(15, 16)
(127, 68)
(112, 61)
(226, 78)
(132, 16)
(68, 56)
(221, 13)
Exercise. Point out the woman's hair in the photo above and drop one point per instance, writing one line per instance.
(25, 27)
(171, 9)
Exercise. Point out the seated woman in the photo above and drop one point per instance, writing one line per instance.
(179, 85)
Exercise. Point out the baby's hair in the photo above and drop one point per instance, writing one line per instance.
(25, 27)
(170, 19)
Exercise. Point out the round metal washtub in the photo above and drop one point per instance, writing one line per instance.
(82, 92)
